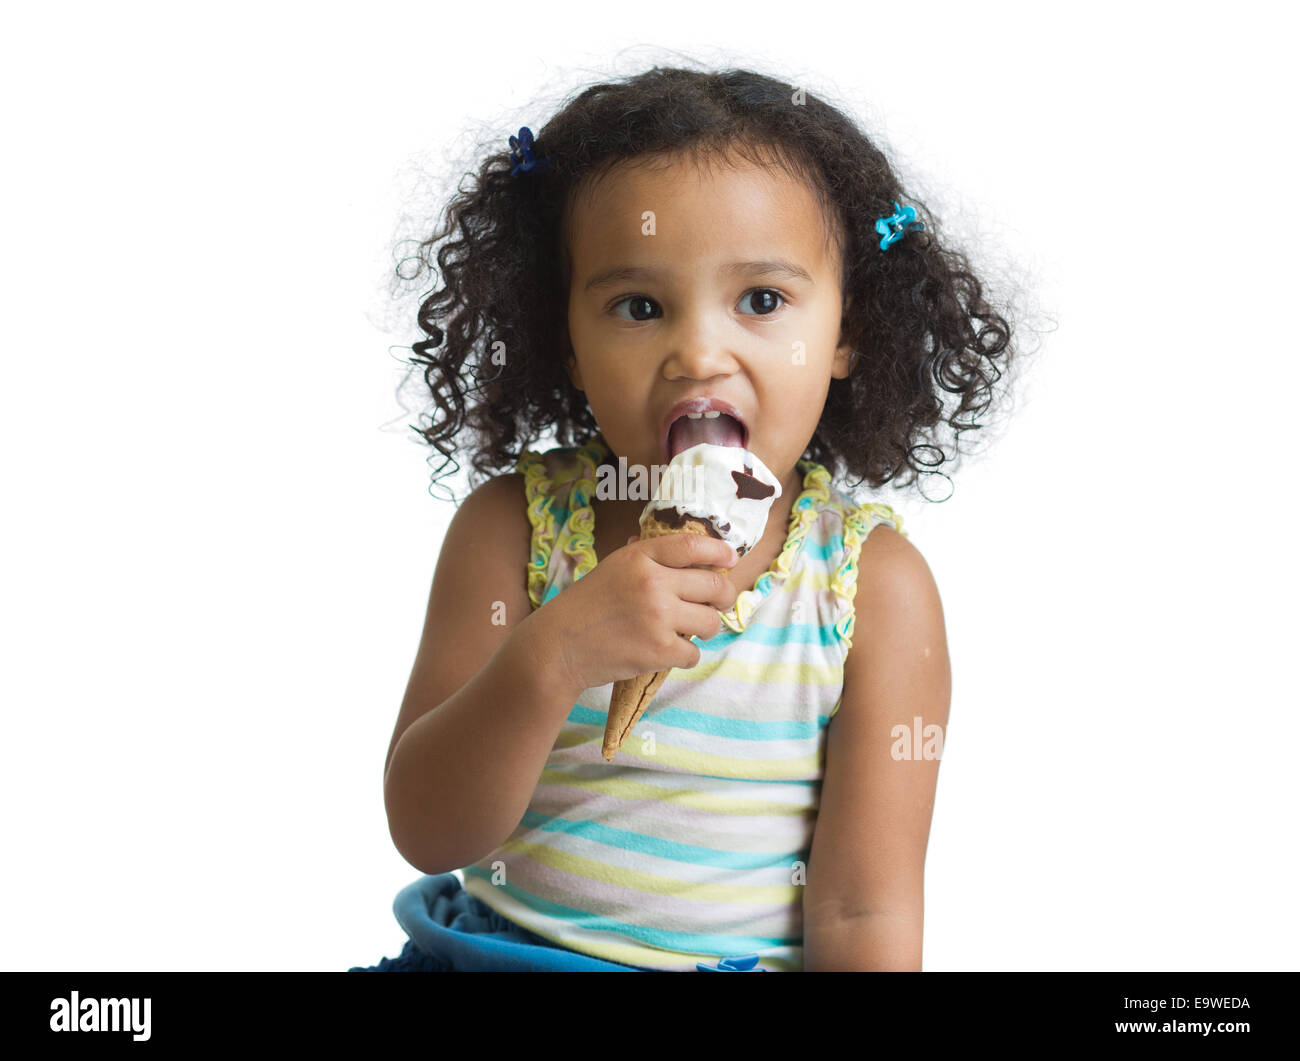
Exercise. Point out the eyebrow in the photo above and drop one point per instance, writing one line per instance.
(770, 267)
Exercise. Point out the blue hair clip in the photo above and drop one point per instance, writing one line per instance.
(521, 154)
(894, 227)
(743, 963)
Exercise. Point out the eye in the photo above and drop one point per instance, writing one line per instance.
(639, 301)
(644, 308)
(768, 300)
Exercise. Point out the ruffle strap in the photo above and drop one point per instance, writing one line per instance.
(558, 493)
(859, 521)
(537, 492)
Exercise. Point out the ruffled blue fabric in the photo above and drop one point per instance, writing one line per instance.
(411, 960)
(451, 931)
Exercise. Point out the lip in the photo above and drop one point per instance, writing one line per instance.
(700, 405)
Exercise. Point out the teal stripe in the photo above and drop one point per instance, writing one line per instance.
(762, 780)
(830, 551)
(628, 840)
(699, 722)
(690, 942)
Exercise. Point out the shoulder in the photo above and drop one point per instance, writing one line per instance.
(895, 582)
(899, 656)
(491, 523)
(498, 492)
(887, 550)
(496, 497)
(481, 569)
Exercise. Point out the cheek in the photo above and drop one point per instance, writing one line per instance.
(796, 372)
(796, 390)
(614, 391)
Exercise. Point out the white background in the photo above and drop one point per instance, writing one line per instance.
(218, 536)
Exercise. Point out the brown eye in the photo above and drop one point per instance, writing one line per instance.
(764, 297)
(640, 304)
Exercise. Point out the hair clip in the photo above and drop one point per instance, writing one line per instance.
(893, 228)
(743, 963)
(521, 154)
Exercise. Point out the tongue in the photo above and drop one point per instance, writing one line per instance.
(721, 430)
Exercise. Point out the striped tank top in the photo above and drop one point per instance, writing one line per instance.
(691, 846)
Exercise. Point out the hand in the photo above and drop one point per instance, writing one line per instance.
(635, 611)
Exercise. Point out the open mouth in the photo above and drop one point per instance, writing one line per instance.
(714, 427)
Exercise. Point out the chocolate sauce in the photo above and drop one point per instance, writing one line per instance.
(750, 489)
(675, 517)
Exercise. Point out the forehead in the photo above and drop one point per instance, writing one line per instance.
(702, 210)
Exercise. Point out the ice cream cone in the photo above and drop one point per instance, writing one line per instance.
(632, 695)
(721, 491)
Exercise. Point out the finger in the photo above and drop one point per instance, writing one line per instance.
(687, 656)
(699, 620)
(694, 585)
(690, 550)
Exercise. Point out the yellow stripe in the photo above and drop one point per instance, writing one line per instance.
(763, 672)
(691, 761)
(727, 768)
(783, 896)
(572, 735)
(810, 576)
(676, 796)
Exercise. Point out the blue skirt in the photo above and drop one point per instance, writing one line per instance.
(451, 931)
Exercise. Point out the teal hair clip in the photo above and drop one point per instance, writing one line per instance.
(894, 227)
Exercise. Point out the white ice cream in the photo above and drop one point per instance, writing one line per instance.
(706, 482)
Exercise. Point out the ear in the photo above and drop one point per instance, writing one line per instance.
(571, 362)
(844, 358)
(843, 361)
(575, 373)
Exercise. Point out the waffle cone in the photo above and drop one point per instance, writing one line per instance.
(631, 696)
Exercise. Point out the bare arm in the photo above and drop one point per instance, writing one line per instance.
(864, 903)
(482, 707)
(871, 943)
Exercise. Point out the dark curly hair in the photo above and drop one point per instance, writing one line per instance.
(916, 315)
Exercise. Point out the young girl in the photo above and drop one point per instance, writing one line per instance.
(676, 258)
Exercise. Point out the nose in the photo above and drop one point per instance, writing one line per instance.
(697, 351)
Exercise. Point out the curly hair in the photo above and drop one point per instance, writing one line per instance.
(916, 316)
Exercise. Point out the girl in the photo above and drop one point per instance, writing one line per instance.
(681, 257)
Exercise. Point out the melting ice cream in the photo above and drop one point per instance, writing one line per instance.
(727, 488)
